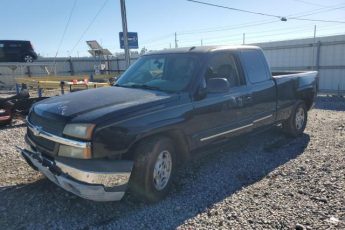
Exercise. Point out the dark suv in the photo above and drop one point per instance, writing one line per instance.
(16, 51)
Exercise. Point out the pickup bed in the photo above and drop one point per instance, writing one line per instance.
(99, 143)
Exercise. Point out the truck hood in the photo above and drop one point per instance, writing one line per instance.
(96, 103)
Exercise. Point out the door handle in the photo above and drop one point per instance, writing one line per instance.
(243, 100)
(247, 98)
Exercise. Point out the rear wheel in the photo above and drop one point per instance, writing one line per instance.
(297, 121)
(28, 58)
(154, 167)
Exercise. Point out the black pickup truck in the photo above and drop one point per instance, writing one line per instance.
(94, 143)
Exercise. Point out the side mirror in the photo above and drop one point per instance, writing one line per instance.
(218, 85)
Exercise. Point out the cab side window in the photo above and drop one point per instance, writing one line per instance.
(2, 53)
(223, 65)
(14, 45)
(255, 66)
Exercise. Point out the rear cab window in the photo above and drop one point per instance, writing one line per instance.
(14, 45)
(255, 66)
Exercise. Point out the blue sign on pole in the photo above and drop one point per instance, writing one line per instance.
(132, 40)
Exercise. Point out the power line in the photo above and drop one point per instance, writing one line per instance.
(322, 10)
(229, 27)
(239, 40)
(90, 24)
(66, 26)
(269, 15)
(309, 3)
(269, 32)
(244, 25)
(252, 35)
(263, 22)
(316, 20)
(236, 9)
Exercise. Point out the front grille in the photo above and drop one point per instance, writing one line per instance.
(41, 142)
(49, 125)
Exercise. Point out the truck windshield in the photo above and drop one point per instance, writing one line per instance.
(166, 72)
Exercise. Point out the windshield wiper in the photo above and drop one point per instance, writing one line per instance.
(141, 86)
(144, 86)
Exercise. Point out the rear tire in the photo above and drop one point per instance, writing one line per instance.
(154, 167)
(28, 58)
(295, 125)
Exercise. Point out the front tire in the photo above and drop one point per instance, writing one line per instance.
(297, 121)
(154, 167)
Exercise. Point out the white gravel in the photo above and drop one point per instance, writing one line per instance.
(264, 181)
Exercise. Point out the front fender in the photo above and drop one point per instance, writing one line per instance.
(118, 137)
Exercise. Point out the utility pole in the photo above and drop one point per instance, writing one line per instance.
(244, 39)
(125, 32)
(201, 43)
(176, 45)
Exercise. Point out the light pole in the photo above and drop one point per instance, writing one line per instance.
(125, 32)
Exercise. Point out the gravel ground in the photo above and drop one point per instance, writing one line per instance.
(264, 181)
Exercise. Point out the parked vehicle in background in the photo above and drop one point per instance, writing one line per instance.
(17, 51)
(96, 142)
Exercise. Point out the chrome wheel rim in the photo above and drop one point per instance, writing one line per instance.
(28, 58)
(300, 118)
(162, 170)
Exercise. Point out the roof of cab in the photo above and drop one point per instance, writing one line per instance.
(201, 49)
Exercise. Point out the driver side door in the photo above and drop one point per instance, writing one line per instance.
(224, 114)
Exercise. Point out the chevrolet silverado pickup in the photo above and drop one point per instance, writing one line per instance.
(99, 143)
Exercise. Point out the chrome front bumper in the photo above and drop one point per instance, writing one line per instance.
(97, 180)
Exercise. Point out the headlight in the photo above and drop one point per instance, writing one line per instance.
(81, 131)
(2, 111)
(74, 152)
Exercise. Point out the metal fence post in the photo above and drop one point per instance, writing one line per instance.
(28, 71)
(71, 66)
(117, 65)
(108, 65)
(318, 49)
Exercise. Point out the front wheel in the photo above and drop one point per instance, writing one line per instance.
(297, 121)
(154, 167)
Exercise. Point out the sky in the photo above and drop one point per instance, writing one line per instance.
(43, 22)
